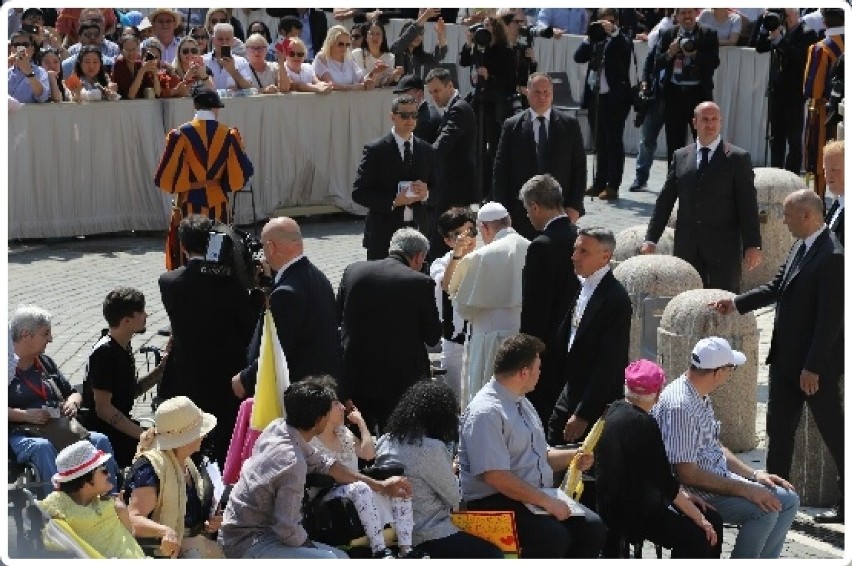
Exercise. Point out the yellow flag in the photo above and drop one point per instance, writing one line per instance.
(572, 485)
(273, 377)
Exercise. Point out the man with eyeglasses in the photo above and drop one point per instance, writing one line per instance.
(165, 23)
(27, 81)
(91, 32)
(762, 504)
(393, 179)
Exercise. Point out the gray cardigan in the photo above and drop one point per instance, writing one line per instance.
(428, 464)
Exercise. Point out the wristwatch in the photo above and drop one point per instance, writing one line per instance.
(30, 75)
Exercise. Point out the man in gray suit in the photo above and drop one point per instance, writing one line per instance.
(717, 225)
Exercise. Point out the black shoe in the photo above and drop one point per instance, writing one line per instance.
(592, 191)
(637, 187)
(384, 553)
(833, 515)
(414, 553)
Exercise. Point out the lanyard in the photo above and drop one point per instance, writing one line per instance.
(42, 392)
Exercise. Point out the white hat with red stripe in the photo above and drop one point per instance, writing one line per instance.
(78, 459)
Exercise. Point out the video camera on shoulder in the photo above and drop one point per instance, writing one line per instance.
(233, 253)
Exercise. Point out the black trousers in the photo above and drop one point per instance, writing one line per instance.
(679, 110)
(783, 412)
(717, 270)
(672, 529)
(543, 536)
(607, 116)
(460, 545)
(786, 123)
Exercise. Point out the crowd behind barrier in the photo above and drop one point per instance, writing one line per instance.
(84, 169)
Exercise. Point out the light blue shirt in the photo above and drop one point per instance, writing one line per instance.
(20, 88)
(571, 20)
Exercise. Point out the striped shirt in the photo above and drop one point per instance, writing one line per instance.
(690, 429)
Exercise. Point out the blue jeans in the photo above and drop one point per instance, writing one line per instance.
(761, 533)
(270, 546)
(654, 121)
(42, 455)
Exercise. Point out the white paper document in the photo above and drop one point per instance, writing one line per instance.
(576, 509)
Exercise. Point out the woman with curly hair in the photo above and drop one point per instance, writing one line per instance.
(421, 434)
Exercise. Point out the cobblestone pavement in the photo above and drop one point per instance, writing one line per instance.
(70, 278)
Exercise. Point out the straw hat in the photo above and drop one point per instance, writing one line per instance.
(152, 15)
(77, 460)
(179, 421)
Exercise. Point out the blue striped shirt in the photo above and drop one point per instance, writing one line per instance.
(690, 429)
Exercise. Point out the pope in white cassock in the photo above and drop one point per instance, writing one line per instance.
(486, 291)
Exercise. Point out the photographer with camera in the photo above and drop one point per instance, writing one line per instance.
(780, 32)
(521, 39)
(212, 320)
(486, 51)
(408, 47)
(27, 81)
(688, 55)
(607, 97)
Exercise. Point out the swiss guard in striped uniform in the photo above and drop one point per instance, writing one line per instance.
(203, 162)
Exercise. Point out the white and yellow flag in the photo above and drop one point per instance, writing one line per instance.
(273, 377)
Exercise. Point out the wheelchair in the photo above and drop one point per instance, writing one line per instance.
(335, 521)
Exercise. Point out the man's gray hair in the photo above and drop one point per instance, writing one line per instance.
(543, 190)
(409, 242)
(604, 237)
(224, 26)
(27, 318)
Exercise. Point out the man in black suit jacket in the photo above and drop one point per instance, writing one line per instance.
(607, 96)
(832, 166)
(549, 282)
(688, 55)
(717, 222)
(387, 314)
(593, 340)
(394, 178)
(211, 320)
(522, 153)
(428, 117)
(806, 349)
(455, 154)
(303, 308)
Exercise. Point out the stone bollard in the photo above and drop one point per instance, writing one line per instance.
(772, 186)
(686, 320)
(646, 278)
(813, 472)
(629, 240)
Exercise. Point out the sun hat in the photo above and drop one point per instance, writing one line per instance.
(152, 15)
(77, 460)
(491, 211)
(179, 421)
(644, 377)
(715, 352)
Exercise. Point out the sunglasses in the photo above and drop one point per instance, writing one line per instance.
(296, 54)
(188, 50)
(27, 44)
(200, 37)
(406, 115)
(343, 44)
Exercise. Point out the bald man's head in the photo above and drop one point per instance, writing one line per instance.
(282, 241)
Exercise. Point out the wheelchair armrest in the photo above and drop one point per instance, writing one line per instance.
(383, 472)
(321, 481)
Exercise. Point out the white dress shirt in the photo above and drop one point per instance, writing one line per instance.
(587, 289)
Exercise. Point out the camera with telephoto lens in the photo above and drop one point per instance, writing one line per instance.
(232, 252)
(530, 33)
(481, 36)
(596, 32)
(773, 18)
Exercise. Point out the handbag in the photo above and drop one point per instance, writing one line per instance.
(61, 432)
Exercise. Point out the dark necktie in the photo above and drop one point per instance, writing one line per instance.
(407, 158)
(831, 212)
(705, 158)
(542, 145)
(797, 259)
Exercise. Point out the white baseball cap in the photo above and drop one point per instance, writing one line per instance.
(715, 352)
(491, 211)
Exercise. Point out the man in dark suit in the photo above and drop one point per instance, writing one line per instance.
(303, 308)
(713, 183)
(688, 54)
(832, 166)
(393, 179)
(524, 152)
(607, 96)
(549, 282)
(593, 340)
(806, 349)
(387, 315)
(428, 117)
(455, 154)
(211, 320)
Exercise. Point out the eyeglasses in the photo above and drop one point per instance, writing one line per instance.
(200, 37)
(27, 44)
(296, 54)
(344, 43)
(255, 47)
(356, 36)
(406, 115)
(189, 50)
(91, 34)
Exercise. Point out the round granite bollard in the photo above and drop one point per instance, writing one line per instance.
(652, 276)
(629, 240)
(772, 186)
(686, 320)
(813, 472)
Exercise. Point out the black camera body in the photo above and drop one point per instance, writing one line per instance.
(773, 19)
(530, 33)
(687, 45)
(233, 253)
(481, 36)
